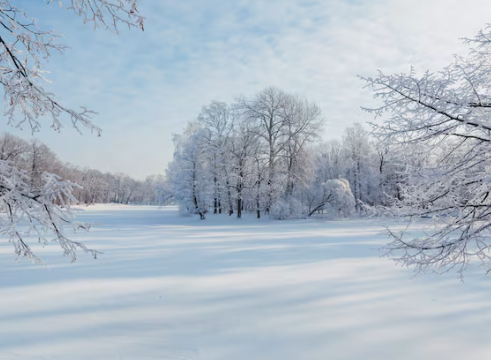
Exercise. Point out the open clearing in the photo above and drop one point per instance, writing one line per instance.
(169, 287)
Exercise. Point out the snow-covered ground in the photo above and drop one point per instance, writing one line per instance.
(169, 287)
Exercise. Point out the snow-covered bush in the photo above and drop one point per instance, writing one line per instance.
(289, 208)
(342, 201)
(337, 198)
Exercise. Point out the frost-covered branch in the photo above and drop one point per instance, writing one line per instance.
(448, 116)
(107, 14)
(24, 47)
(43, 209)
(43, 213)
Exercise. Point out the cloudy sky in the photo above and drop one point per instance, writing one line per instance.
(147, 85)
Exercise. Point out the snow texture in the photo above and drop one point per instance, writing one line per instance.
(169, 287)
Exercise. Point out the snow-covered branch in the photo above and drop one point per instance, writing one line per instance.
(448, 116)
(40, 205)
(43, 213)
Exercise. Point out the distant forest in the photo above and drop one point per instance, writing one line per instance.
(36, 158)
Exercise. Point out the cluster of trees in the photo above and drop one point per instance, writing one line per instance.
(35, 159)
(263, 154)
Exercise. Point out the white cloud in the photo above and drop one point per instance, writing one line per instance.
(146, 86)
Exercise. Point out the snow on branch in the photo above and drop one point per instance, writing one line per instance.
(43, 213)
(43, 210)
(107, 14)
(24, 47)
(448, 116)
(449, 248)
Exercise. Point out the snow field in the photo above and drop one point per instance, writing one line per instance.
(169, 287)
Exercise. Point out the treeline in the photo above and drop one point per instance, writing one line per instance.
(35, 158)
(264, 154)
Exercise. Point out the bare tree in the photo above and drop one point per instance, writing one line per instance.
(12, 147)
(39, 160)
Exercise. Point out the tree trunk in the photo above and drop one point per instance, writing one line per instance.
(320, 206)
(239, 208)
(230, 204)
(215, 202)
(358, 170)
(239, 194)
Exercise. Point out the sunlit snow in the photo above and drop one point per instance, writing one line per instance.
(170, 287)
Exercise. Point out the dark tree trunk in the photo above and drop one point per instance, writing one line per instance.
(215, 202)
(240, 205)
(230, 204)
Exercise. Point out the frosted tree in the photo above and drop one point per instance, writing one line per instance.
(447, 113)
(358, 153)
(12, 148)
(189, 173)
(243, 144)
(44, 210)
(303, 124)
(154, 189)
(266, 111)
(285, 124)
(39, 160)
(217, 120)
(303, 191)
(116, 186)
(94, 187)
(162, 190)
(129, 187)
(259, 188)
(330, 160)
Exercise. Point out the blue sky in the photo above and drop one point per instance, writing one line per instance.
(147, 85)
